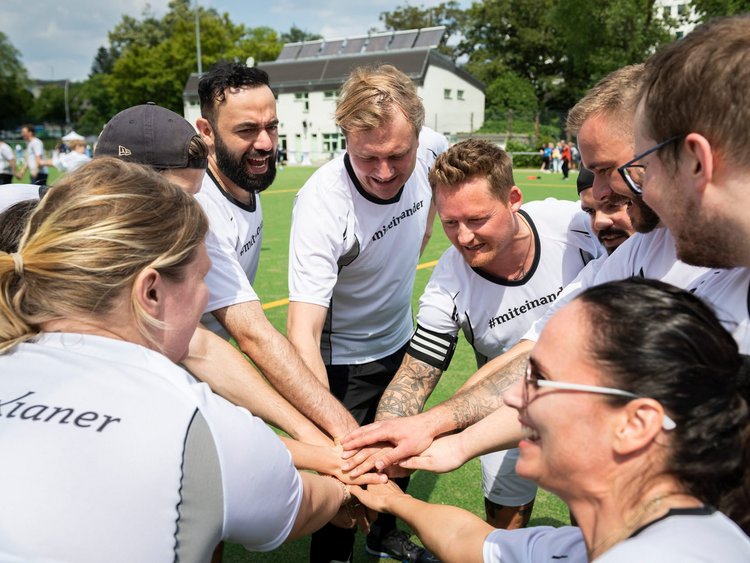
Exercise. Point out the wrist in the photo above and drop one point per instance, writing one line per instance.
(346, 494)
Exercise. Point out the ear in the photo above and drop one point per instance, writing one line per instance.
(515, 198)
(698, 158)
(148, 289)
(641, 423)
(206, 131)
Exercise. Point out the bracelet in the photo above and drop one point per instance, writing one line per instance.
(344, 488)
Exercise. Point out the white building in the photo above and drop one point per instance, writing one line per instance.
(306, 78)
(680, 10)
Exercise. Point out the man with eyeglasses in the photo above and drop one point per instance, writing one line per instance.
(692, 164)
(603, 122)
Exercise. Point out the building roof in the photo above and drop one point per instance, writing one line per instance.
(326, 64)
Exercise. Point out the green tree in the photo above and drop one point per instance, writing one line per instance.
(517, 33)
(448, 14)
(709, 9)
(297, 35)
(15, 96)
(156, 57)
(49, 105)
(595, 39)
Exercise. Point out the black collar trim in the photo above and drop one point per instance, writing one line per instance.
(253, 200)
(369, 197)
(537, 256)
(704, 510)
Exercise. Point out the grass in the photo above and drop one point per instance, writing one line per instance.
(461, 487)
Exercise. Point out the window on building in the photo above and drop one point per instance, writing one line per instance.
(459, 94)
(329, 94)
(682, 9)
(333, 142)
(302, 97)
(447, 93)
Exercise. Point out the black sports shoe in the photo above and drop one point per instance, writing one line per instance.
(397, 545)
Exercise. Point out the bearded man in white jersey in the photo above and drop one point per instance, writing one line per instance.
(240, 127)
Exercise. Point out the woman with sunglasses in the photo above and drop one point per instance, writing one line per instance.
(633, 414)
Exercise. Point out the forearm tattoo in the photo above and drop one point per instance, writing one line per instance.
(409, 389)
(476, 402)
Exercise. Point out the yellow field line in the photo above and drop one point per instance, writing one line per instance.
(282, 302)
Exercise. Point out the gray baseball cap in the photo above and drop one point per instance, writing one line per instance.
(151, 135)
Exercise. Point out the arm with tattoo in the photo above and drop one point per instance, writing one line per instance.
(409, 389)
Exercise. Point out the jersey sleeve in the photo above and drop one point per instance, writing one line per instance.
(435, 338)
(226, 280)
(584, 279)
(322, 232)
(262, 490)
(538, 543)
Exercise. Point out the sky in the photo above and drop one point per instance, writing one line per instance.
(59, 39)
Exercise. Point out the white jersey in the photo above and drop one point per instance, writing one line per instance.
(10, 194)
(431, 144)
(235, 232)
(114, 453)
(494, 313)
(683, 535)
(650, 255)
(34, 149)
(6, 156)
(357, 256)
(537, 544)
(69, 161)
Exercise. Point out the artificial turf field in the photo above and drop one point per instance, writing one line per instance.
(461, 487)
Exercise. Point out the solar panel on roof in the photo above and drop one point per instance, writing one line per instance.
(403, 40)
(430, 37)
(310, 49)
(289, 51)
(332, 47)
(353, 45)
(378, 42)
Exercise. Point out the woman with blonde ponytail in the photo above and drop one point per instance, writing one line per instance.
(111, 451)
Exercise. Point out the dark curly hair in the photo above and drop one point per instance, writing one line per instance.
(658, 341)
(223, 76)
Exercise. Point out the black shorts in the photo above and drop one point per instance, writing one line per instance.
(360, 386)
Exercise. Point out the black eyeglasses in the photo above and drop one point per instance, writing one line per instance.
(633, 173)
(534, 380)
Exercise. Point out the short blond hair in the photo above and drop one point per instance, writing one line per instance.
(615, 95)
(370, 96)
(88, 239)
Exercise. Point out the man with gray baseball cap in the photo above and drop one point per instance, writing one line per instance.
(159, 138)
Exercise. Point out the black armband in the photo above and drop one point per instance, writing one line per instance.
(432, 348)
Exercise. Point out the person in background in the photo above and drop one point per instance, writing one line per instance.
(7, 163)
(34, 161)
(68, 161)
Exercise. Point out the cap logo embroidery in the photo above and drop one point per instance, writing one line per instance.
(123, 151)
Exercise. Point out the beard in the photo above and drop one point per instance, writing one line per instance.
(233, 167)
(702, 240)
(644, 219)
